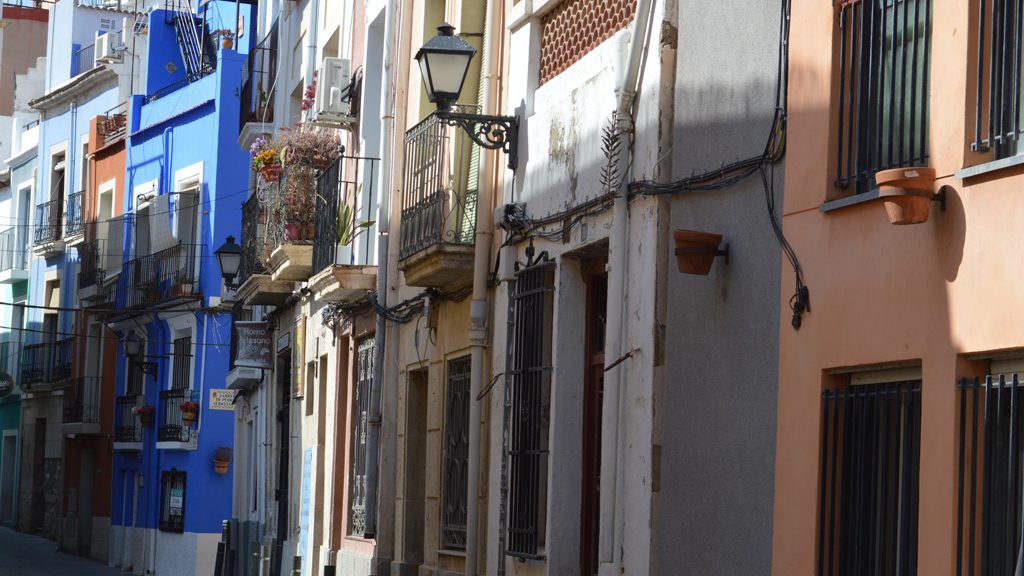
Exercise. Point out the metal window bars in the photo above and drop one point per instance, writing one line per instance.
(172, 425)
(127, 427)
(883, 86)
(870, 455)
(13, 254)
(48, 221)
(159, 278)
(90, 256)
(440, 192)
(85, 59)
(998, 85)
(344, 201)
(254, 218)
(258, 86)
(361, 408)
(46, 365)
(172, 501)
(527, 401)
(456, 455)
(990, 469)
(113, 125)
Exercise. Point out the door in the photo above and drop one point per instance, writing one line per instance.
(413, 522)
(284, 386)
(593, 381)
(8, 459)
(38, 504)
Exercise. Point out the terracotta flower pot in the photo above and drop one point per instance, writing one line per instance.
(227, 43)
(220, 466)
(907, 193)
(188, 417)
(696, 251)
(146, 419)
(293, 232)
(271, 172)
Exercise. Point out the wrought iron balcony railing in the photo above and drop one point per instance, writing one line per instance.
(85, 59)
(158, 278)
(344, 204)
(82, 401)
(13, 254)
(439, 198)
(90, 254)
(127, 427)
(253, 228)
(74, 224)
(258, 86)
(46, 365)
(47, 223)
(172, 426)
(114, 124)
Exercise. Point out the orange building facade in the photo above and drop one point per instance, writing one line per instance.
(888, 460)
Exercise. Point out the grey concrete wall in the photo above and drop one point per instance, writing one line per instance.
(717, 404)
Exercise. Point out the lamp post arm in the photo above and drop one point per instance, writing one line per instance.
(491, 132)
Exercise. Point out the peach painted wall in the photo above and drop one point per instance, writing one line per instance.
(929, 293)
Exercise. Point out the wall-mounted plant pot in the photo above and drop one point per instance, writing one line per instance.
(146, 419)
(220, 466)
(696, 251)
(907, 194)
(188, 418)
(271, 172)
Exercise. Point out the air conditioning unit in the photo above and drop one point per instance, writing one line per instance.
(334, 92)
(108, 48)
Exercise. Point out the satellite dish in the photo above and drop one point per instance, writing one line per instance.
(6, 384)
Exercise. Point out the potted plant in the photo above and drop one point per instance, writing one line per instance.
(221, 459)
(264, 111)
(226, 38)
(266, 160)
(151, 290)
(146, 413)
(298, 204)
(696, 251)
(307, 145)
(189, 410)
(184, 285)
(906, 193)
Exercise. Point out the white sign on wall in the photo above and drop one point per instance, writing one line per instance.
(222, 399)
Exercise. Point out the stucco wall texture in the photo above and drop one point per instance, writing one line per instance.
(22, 40)
(717, 408)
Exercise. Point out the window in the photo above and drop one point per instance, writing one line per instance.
(883, 85)
(456, 455)
(361, 414)
(172, 501)
(990, 470)
(869, 479)
(997, 119)
(172, 425)
(575, 27)
(528, 396)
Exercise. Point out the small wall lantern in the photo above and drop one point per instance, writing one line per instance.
(696, 251)
(229, 258)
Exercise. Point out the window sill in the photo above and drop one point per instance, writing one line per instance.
(988, 167)
(853, 200)
(451, 552)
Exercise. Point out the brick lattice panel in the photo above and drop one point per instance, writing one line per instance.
(576, 27)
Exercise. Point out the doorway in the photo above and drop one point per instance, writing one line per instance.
(38, 505)
(596, 279)
(413, 520)
(8, 459)
(284, 440)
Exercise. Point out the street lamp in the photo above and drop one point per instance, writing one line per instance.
(444, 62)
(132, 345)
(229, 258)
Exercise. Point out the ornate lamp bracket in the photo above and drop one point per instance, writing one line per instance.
(491, 132)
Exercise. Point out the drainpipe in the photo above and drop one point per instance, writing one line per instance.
(609, 551)
(478, 307)
(380, 329)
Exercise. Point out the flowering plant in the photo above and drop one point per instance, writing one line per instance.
(189, 406)
(309, 96)
(310, 146)
(263, 153)
(145, 410)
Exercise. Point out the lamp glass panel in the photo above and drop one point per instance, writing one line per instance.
(447, 72)
(229, 263)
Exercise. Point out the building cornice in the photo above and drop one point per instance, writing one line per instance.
(64, 92)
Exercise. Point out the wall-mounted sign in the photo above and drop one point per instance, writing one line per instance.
(6, 384)
(222, 399)
(255, 345)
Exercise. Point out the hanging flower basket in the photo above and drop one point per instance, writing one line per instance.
(221, 460)
(146, 414)
(696, 251)
(189, 410)
(906, 193)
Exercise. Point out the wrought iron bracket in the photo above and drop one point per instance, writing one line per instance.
(491, 132)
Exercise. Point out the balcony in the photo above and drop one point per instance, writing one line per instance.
(82, 406)
(13, 257)
(46, 366)
(172, 428)
(343, 262)
(160, 279)
(127, 427)
(289, 230)
(47, 237)
(84, 60)
(74, 224)
(258, 90)
(438, 218)
(255, 286)
(112, 126)
(90, 273)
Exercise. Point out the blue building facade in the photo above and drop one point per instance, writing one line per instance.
(185, 182)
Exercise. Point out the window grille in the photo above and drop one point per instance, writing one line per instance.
(527, 400)
(456, 455)
(869, 480)
(361, 408)
(182, 355)
(172, 501)
(989, 476)
(997, 120)
(172, 426)
(883, 88)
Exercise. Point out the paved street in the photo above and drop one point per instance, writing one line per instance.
(24, 555)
